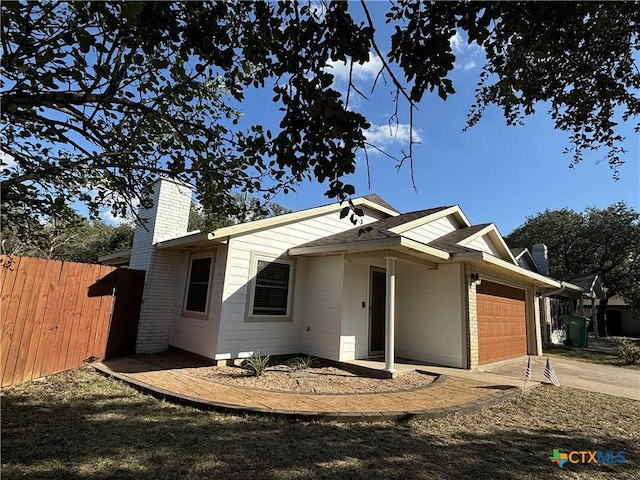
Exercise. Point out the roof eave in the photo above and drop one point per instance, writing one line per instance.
(345, 247)
(423, 248)
(482, 258)
(371, 245)
(222, 234)
(121, 254)
(297, 216)
(195, 240)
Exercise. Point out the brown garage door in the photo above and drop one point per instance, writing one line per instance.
(502, 329)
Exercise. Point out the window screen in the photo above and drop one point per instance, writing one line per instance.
(271, 292)
(198, 285)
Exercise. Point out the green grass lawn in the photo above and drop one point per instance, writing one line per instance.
(80, 425)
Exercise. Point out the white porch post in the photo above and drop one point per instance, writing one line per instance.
(594, 316)
(390, 315)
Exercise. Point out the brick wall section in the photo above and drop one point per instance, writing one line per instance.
(472, 316)
(160, 299)
(167, 218)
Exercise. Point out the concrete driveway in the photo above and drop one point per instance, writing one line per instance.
(621, 382)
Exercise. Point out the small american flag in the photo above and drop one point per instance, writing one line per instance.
(550, 375)
(527, 375)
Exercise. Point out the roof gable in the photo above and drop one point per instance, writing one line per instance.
(378, 230)
(492, 237)
(457, 241)
(204, 238)
(451, 241)
(462, 240)
(410, 222)
(300, 215)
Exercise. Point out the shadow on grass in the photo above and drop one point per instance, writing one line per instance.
(121, 434)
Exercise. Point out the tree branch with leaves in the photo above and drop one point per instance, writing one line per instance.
(98, 98)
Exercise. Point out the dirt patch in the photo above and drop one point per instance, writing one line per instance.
(282, 376)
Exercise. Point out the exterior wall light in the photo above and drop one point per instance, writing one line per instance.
(475, 279)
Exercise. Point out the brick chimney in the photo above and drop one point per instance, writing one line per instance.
(167, 218)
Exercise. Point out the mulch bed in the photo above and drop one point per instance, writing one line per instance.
(284, 376)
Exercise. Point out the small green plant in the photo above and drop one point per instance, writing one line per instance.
(256, 364)
(628, 352)
(302, 363)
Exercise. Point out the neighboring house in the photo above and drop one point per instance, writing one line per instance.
(524, 259)
(621, 320)
(568, 300)
(117, 259)
(425, 285)
(582, 302)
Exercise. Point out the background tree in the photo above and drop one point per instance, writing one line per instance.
(605, 241)
(95, 238)
(98, 98)
(250, 209)
(68, 237)
(73, 238)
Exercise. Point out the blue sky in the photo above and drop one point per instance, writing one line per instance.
(494, 172)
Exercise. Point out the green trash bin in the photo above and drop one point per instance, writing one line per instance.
(576, 328)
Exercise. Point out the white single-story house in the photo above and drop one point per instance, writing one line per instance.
(425, 285)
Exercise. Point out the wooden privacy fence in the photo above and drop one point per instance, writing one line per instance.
(57, 314)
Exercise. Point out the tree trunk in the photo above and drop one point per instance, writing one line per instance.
(602, 309)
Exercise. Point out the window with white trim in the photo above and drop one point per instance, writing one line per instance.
(197, 293)
(271, 295)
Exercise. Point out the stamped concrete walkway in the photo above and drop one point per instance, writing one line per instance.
(444, 396)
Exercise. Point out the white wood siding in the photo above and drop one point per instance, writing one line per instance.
(430, 315)
(355, 317)
(484, 244)
(320, 308)
(236, 335)
(432, 230)
(199, 335)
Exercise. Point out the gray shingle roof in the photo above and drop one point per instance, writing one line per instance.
(449, 242)
(377, 199)
(583, 280)
(374, 231)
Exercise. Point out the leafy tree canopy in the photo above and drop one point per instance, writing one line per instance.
(68, 237)
(73, 238)
(598, 240)
(98, 98)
